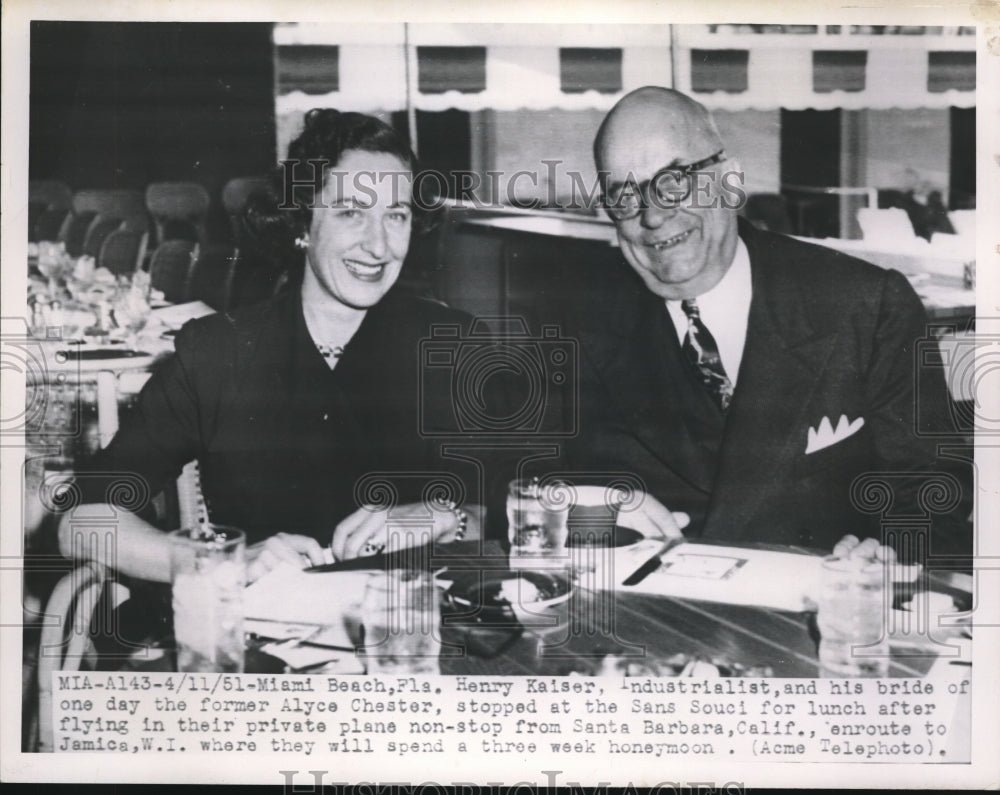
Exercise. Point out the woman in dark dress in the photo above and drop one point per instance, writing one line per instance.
(306, 413)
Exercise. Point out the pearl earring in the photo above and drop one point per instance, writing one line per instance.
(302, 242)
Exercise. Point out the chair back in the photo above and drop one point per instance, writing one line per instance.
(138, 222)
(769, 211)
(170, 269)
(254, 278)
(122, 252)
(889, 226)
(964, 222)
(212, 277)
(47, 223)
(49, 200)
(114, 202)
(66, 643)
(235, 195)
(100, 227)
(50, 193)
(185, 202)
(73, 231)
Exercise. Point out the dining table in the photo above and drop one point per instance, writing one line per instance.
(599, 630)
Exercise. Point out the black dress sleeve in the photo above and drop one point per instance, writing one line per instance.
(166, 428)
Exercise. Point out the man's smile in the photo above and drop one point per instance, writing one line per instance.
(670, 242)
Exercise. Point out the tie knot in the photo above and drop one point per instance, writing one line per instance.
(690, 307)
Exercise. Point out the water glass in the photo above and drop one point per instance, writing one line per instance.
(853, 601)
(537, 523)
(401, 617)
(208, 574)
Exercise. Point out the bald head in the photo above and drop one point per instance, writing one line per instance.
(652, 112)
(681, 248)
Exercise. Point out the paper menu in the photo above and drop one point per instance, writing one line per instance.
(735, 575)
(289, 595)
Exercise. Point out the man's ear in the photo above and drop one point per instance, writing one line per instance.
(731, 189)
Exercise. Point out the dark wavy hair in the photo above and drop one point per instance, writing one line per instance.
(274, 218)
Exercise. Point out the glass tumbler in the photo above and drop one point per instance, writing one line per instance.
(852, 606)
(401, 616)
(537, 523)
(208, 574)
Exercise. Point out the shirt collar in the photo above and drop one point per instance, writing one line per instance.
(727, 302)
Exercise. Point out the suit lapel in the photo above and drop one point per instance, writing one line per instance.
(635, 360)
(783, 361)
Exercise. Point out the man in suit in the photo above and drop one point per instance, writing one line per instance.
(750, 380)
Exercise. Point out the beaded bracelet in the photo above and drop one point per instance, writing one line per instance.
(461, 517)
(461, 520)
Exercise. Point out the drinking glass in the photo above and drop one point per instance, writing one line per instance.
(537, 523)
(852, 606)
(53, 264)
(208, 572)
(131, 314)
(401, 616)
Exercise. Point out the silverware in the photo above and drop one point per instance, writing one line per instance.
(644, 570)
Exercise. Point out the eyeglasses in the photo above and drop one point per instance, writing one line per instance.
(668, 187)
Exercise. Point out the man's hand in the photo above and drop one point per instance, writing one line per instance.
(869, 549)
(653, 520)
(298, 550)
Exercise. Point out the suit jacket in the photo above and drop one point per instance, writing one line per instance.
(828, 335)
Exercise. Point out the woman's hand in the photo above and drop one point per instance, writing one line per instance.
(298, 550)
(410, 525)
(653, 520)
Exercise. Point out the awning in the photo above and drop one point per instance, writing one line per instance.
(385, 67)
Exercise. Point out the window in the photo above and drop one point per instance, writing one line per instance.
(312, 69)
(590, 69)
(441, 69)
(719, 70)
(839, 70)
(951, 70)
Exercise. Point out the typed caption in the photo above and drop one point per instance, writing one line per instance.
(812, 720)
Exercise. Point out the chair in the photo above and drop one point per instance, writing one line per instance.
(235, 195)
(170, 269)
(964, 222)
(254, 279)
(100, 227)
(769, 211)
(177, 206)
(138, 222)
(73, 231)
(48, 203)
(114, 202)
(66, 643)
(122, 252)
(212, 277)
(89, 203)
(49, 193)
(48, 223)
(423, 271)
(889, 226)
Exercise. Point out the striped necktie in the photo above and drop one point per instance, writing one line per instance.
(703, 353)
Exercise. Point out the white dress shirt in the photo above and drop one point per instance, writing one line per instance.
(725, 311)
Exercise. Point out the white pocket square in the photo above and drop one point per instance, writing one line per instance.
(825, 434)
